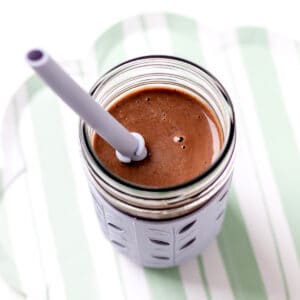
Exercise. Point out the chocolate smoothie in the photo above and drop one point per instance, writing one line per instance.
(183, 136)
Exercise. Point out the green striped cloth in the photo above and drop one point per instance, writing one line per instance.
(51, 246)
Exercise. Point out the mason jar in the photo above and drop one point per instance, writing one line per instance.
(161, 226)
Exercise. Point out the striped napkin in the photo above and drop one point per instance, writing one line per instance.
(51, 246)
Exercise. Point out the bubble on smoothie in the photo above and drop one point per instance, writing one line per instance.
(178, 139)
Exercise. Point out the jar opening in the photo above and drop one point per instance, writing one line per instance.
(167, 71)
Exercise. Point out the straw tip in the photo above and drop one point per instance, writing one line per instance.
(36, 57)
(35, 54)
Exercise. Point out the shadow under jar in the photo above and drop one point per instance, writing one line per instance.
(161, 226)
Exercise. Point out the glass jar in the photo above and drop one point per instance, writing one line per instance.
(160, 227)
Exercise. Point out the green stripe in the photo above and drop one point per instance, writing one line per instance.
(203, 277)
(238, 255)
(58, 183)
(8, 268)
(109, 48)
(165, 283)
(278, 135)
(184, 38)
(269, 219)
(247, 279)
(109, 52)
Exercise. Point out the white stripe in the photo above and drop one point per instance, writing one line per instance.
(39, 206)
(160, 42)
(192, 282)
(23, 234)
(287, 63)
(89, 70)
(134, 37)
(23, 239)
(102, 253)
(212, 260)
(135, 283)
(158, 34)
(8, 293)
(12, 158)
(216, 275)
(245, 101)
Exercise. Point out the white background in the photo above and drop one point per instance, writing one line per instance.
(67, 29)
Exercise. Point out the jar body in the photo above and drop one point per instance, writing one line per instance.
(161, 243)
(161, 227)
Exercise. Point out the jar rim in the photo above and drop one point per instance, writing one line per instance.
(228, 142)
